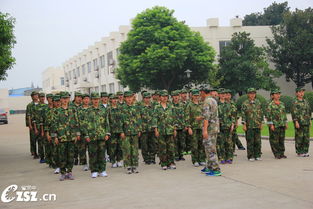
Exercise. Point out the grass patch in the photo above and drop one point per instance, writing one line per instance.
(290, 132)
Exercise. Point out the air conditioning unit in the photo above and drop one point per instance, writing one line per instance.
(111, 62)
(97, 68)
(85, 79)
(97, 74)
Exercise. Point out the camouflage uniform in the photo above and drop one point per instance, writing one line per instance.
(276, 115)
(194, 110)
(224, 140)
(234, 136)
(66, 130)
(148, 147)
(48, 144)
(164, 121)
(301, 112)
(81, 145)
(75, 107)
(95, 126)
(252, 116)
(38, 119)
(210, 113)
(116, 126)
(33, 138)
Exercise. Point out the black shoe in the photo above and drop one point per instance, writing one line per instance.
(242, 148)
(182, 158)
(36, 156)
(152, 161)
(177, 159)
(76, 162)
(283, 156)
(147, 163)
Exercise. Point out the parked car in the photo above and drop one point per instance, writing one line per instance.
(3, 116)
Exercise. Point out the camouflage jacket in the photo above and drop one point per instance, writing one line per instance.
(29, 110)
(226, 116)
(38, 114)
(146, 113)
(95, 123)
(252, 113)
(66, 124)
(115, 119)
(51, 118)
(210, 113)
(163, 119)
(131, 120)
(301, 111)
(179, 116)
(276, 114)
(192, 111)
(81, 115)
(48, 120)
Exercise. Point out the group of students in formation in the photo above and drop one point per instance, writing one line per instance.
(113, 127)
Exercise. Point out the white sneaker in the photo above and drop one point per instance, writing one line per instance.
(202, 163)
(85, 168)
(120, 164)
(196, 164)
(57, 171)
(172, 166)
(251, 159)
(103, 174)
(94, 174)
(258, 159)
(114, 165)
(306, 155)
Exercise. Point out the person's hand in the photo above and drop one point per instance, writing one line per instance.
(205, 135)
(49, 138)
(156, 133)
(175, 133)
(139, 134)
(232, 128)
(286, 126)
(297, 125)
(78, 138)
(244, 127)
(123, 136)
(88, 139)
(272, 127)
(56, 141)
(106, 138)
(190, 131)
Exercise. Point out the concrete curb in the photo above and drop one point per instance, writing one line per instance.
(267, 137)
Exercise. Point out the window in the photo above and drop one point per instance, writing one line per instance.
(62, 81)
(70, 75)
(83, 69)
(117, 52)
(111, 88)
(74, 74)
(66, 76)
(97, 89)
(95, 64)
(120, 87)
(78, 71)
(103, 88)
(222, 44)
(110, 61)
(89, 67)
(102, 61)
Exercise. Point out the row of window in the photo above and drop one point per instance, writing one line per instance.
(110, 90)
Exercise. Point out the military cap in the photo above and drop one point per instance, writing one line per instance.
(275, 91)
(221, 91)
(195, 92)
(157, 92)
(113, 96)
(128, 94)
(163, 93)
(64, 94)
(56, 98)
(251, 90)
(175, 93)
(299, 89)
(228, 91)
(78, 94)
(119, 93)
(34, 93)
(183, 91)
(49, 95)
(41, 94)
(142, 92)
(104, 94)
(85, 95)
(146, 95)
(95, 95)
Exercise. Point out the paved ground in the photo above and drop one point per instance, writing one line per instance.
(270, 183)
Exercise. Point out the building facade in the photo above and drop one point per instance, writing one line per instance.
(53, 80)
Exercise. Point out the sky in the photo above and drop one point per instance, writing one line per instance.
(48, 32)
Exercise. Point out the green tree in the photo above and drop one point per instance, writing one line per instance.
(291, 46)
(7, 41)
(158, 51)
(272, 15)
(244, 65)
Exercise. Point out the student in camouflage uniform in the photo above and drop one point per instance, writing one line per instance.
(252, 119)
(194, 123)
(163, 123)
(29, 123)
(96, 131)
(120, 96)
(301, 116)
(277, 119)
(81, 144)
(116, 126)
(76, 104)
(131, 131)
(227, 124)
(47, 141)
(148, 148)
(184, 100)
(180, 125)
(66, 134)
(210, 131)
(155, 99)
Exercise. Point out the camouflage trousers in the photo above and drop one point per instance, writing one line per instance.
(302, 139)
(66, 156)
(277, 141)
(80, 151)
(197, 148)
(55, 159)
(236, 140)
(166, 149)
(48, 152)
(148, 148)
(180, 143)
(41, 146)
(253, 138)
(96, 150)
(187, 142)
(115, 148)
(33, 142)
(210, 152)
(225, 145)
(130, 151)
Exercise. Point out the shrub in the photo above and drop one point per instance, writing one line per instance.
(309, 97)
(287, 100)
